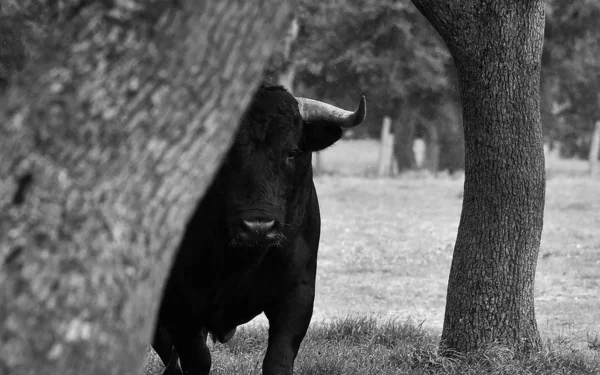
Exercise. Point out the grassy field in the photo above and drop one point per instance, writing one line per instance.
(368, 346)
(384, 260)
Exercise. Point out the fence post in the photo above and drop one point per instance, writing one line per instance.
(595, 149)
(384, 144)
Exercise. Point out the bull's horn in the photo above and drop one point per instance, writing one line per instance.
(314, 110)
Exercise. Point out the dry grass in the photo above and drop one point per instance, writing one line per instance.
(385, 252)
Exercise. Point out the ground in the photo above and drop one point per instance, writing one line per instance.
(386, 245)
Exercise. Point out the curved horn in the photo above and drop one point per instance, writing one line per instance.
(314, 110)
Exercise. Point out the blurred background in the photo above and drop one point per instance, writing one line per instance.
(391, 190)
(338, 50)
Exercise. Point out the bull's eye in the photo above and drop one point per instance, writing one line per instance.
(294, 153)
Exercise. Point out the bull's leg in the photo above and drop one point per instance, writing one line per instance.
(288, 322)
(193, 352)
(163, 346)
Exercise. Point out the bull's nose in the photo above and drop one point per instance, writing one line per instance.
(259, 227)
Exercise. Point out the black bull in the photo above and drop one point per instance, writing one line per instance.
(251, 246)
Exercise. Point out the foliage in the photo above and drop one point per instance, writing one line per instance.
(572, 64)
(389, 52)
(383, 49)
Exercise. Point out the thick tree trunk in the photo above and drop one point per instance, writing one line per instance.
(108, 139)
(496, 46)
(404, 135)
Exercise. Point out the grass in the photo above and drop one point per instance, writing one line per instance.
(385, 253)
(366, 345)
(386, 244)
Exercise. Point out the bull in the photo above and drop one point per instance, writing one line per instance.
(251, 245)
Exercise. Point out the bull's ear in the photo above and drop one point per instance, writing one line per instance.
(319, 135)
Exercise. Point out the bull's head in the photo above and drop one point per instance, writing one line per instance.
(267, 175)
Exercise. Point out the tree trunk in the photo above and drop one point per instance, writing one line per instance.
(317, 163)
(404, 135)
(432, 145)
(496, 46)
(108, 138)
(452, 145)
(281, 69)
(287, 75)
(385, 148)
(594, 149)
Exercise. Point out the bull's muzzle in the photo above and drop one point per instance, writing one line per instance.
(257, 230)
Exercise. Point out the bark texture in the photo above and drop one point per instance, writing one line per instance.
(108, 138)
(496, 46)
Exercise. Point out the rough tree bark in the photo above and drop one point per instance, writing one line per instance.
(108, 138)
(496, 47)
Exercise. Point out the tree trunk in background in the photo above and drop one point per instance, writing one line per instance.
(281, 68)
(317, 163)
(286, 78)
(595, 149)
(386, 153)
(496, 46)
(108, 138)
(404, 135)
(287, 75)
(432, 145)
(548, 89)
(452, 144)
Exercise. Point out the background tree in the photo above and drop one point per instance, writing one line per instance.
(281, 68)
(109, 135)
(386, 50)
(496, 47)
(572, 74)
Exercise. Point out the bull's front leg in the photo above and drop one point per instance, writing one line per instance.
(289, 319)
(163, 346)
(193, 351)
